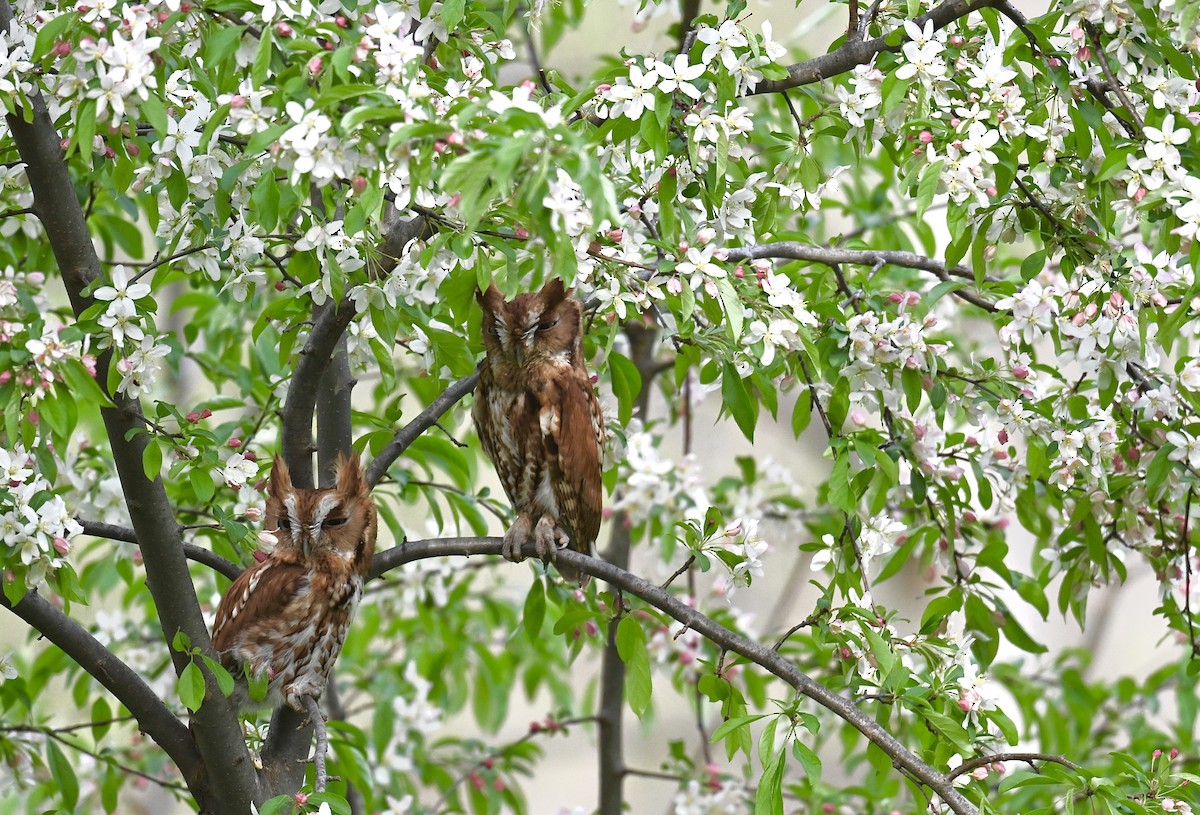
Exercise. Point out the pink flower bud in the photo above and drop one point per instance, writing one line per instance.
(193, 416)
(63, 48)
(926, 137)
(237, 101)
(341, 21)
(896, 297)
(521, 232)
(234, 443)
(739, 272)
(5, 377)
(858, 417)
(979, 773)
(1021, 372)
(359, 184)
(957, 40)
(1054, 62)
(253, 514)
(455, 199)
(300, 798)
(283, 29)
(62, 546)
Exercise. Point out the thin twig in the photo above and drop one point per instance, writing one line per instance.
(687, 564)
(56, 735)
(1102, 58)
(983, 761)
(501, 752)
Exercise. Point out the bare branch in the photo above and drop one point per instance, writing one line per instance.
(191, 551)
(829, 256)
(622, 580)
(424, 420)
(859, 52)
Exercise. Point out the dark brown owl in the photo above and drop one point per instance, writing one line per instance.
(539, 420)
(286, 618)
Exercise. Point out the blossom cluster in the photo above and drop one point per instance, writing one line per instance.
(36, 528)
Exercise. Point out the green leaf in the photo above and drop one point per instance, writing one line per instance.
(768, 800)
(732, 305)
(535, 610)
(202, 484)
(156, 114)
(152, 459)
(63, 774)
(736, 398)
(453, 12)
(809, 760)
(191, 687)
(927, 186)
(1156, 473)
(801, 413)
(631, 645)
(224, 679)
(48, 34)
(626, 385)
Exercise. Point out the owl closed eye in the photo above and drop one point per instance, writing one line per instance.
(539, 420)
(286, 618)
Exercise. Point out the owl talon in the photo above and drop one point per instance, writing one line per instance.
(546, 539)
(515, 538)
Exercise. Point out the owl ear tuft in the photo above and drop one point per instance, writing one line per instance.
(491, 301)
(281, 479)
(552, 293)
(350, 477)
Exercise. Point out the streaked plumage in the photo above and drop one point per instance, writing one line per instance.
(287, 617)
(539, 420)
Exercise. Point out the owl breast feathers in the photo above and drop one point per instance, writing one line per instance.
(286, 618)
(539, 420)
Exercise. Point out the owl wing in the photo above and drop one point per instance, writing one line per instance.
(573, 432)
(260, 595)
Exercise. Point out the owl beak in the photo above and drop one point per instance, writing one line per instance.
(306, 545)
(519, 352)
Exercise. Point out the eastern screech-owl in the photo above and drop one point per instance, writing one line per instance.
(539, 420)
(287, 617)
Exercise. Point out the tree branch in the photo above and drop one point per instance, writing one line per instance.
(217, 734)
(859, 52)
(902, 758)
(153, 717)
(611, 747)
(983, 761)
(329, 324)
(829, 256)
(191, 551)
(424, 420)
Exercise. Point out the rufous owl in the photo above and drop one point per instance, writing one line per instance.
(539, 420)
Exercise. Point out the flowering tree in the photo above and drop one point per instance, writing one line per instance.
(958, 248)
